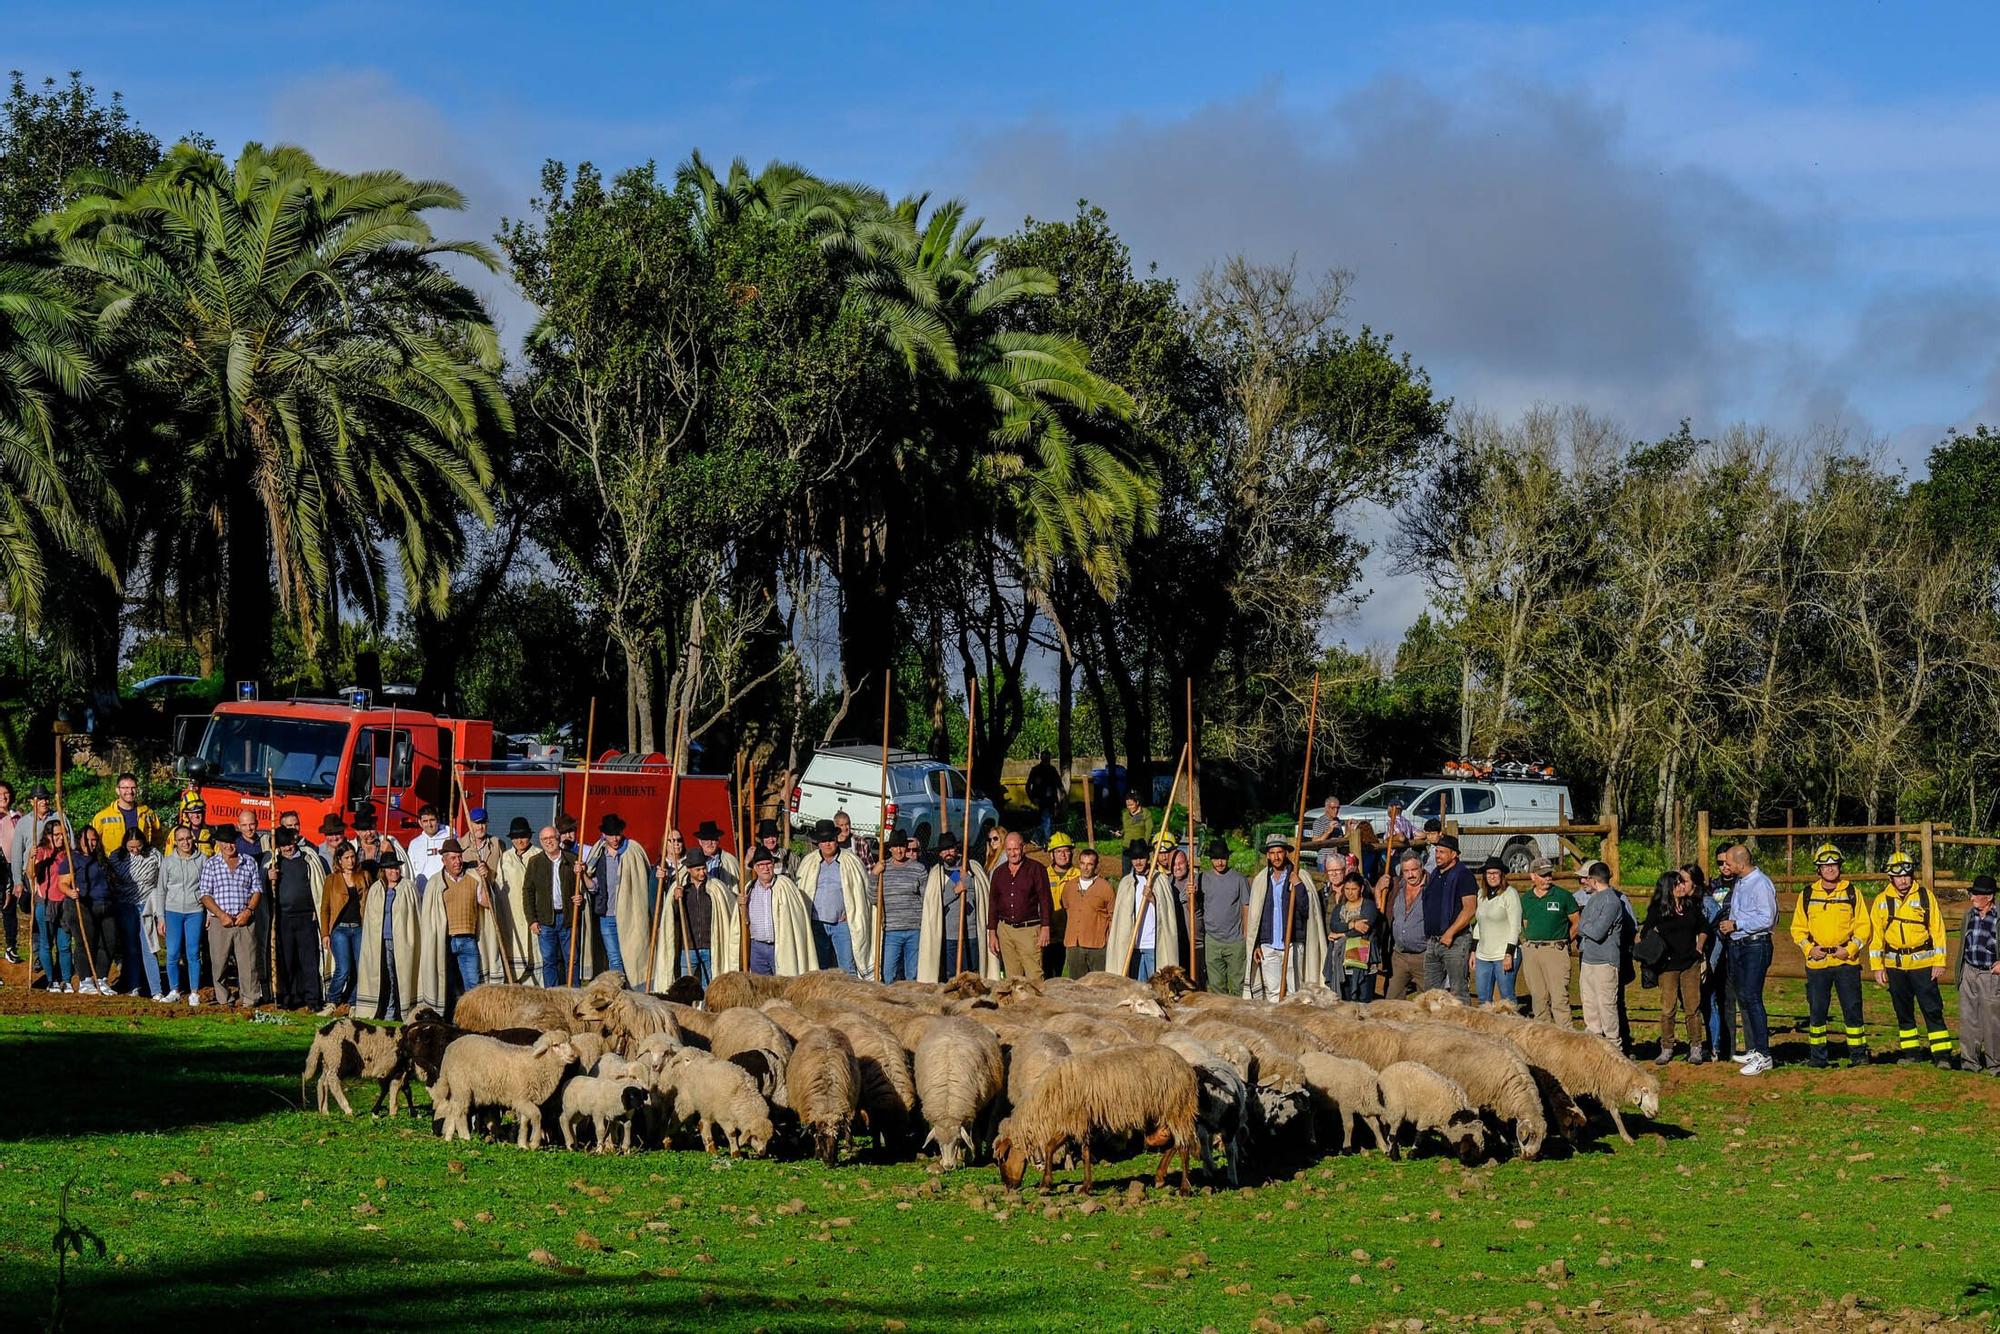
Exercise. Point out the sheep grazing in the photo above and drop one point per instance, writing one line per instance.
(1029, 1058)
(888, 1090)
(746, 1028)
(823, 1085)
(1350, 1094)
(1222, 1109)
(1421, 1101)
(959, 1073)
(733, 989)
(719, 1097)
(767, 1072)
(346, 1049)
(608, 1103)
(420, 1047)
(1143, 1090)
(1582, 1064)
(479, 1071)
(1281, 1111)
(498, 1005)
(1492, 1072)
(786, 1016)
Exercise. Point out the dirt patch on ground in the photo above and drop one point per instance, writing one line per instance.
(18, 997)
(1920, 1084)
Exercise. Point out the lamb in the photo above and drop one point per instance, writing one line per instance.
(1222, 1108)
(347, 1049)
(733, 989)
(657, 1047)
(1351, 1093)
(1145, 1090)
(1420, 1100)
(609, 1103)
(479, 1071)
(497, 1005)
(1493, 1074)
(959, 1074)
(718, 1096)
(888, 1091)
(823, 1085)
(745, 1028)
(1029, 1058)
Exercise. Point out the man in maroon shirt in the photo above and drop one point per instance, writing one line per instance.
(1020, 911)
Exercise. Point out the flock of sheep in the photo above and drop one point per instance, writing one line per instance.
(1037, 1074)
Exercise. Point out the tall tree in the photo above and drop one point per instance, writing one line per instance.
(321, 387)
(50, 133)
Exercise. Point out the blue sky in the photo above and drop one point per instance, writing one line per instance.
(1786, 214)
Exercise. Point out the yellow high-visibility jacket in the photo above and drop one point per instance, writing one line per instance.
(1908, 931)
(1833, 917)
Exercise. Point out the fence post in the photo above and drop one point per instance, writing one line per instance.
(1791, 862)
(1930, 866)
(1701, 839)
(1611, 847)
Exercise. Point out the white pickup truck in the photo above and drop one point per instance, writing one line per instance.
(1497, 802)
(926, 795)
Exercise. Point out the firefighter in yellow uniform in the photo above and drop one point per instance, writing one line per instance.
(1830, 926)
(1063, 873)
(1907, 952)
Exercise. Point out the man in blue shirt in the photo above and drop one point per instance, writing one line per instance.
(1753, 910)
(1451, 896)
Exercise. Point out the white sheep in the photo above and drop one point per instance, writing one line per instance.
(1030, 1055)
(1144, 1090)
(823, 1085)
(717, 1096)
(610, 1103)
(1420, 1100)
(959, 1074)
(745, 1028)
(1351, 1094)
(479, 1071)
(888, 1093)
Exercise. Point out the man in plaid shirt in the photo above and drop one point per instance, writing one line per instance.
(230, 890)
(1979, 982)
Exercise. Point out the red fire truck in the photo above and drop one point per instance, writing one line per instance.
(377, 765)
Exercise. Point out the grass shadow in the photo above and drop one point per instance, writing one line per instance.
(71, 1083)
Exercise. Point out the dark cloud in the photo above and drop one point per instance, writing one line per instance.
(1510, 238)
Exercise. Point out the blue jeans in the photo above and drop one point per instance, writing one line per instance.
(137, 953)
(1356, 985)
(763, 957)
(554, 940)
(1488, 974)
(899, 956)
(697, 964)
(833, 945)
(184, 952)
(1144, 958)
(607, 927)
(345, 944)
(1048, 826)
(950, 965)
(1719, 999)
(465, 953)
(1749, 960)
(52, 935)
(392, 999)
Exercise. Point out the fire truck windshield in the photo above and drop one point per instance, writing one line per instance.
(300, 755)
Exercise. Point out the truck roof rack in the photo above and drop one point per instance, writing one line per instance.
(857, 750)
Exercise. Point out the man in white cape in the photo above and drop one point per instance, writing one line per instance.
(696, 895)
(849, 943)
(1272, 967)
(1126, 949)
(939, 928)
(375, 987)
(520, 960)
(774, 906)
(628, 928)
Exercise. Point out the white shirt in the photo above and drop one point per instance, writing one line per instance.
(1147, 926)
(425, 860)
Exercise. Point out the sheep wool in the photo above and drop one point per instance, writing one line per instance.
(1147, 1091)
(479, 1071)
(823, 1085)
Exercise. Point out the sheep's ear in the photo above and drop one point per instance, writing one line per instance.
(542, 1044)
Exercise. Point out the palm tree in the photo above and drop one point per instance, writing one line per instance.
(324, 388)
(49, 485)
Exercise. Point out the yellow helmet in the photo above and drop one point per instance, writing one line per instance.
(1827, 853)
(1901, 864)
(1060, 841)
(191, 800)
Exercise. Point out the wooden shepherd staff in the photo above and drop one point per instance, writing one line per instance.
(1298, 835)
(68, 882)
(270, 881)
(1153, 874)
(882, 827)
(1193, 876)
(669, 873)
(965, 850)
(583, 822)
(1089, 824)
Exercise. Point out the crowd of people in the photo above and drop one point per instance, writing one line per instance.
(131, 904)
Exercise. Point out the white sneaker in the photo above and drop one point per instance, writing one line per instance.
(1757, 1065)
(171, 998)
(194, 1001)
(1743, 1057)
(87, 987)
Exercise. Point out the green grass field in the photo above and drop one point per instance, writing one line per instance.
(221, 1203)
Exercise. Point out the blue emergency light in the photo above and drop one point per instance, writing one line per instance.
(246, 692)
